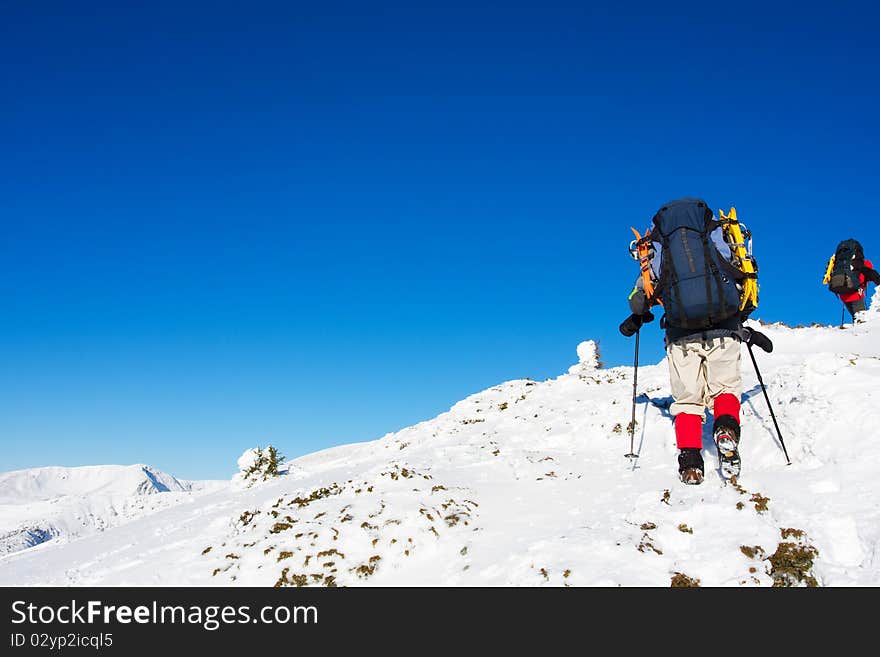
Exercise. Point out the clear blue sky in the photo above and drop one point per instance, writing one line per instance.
(230, 224)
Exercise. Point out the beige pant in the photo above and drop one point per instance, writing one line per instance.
(699, 372)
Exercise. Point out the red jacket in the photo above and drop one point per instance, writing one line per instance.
(860, 293)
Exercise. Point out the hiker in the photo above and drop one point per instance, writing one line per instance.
(848, 274)
(700, 281)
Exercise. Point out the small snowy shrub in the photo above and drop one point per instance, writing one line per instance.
(257, 464)
(589, 358)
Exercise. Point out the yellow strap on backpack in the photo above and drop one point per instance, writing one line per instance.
(827, 278)
(733, 235)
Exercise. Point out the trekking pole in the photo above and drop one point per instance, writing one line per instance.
(842, 315)
(632, 424)
(775, 424)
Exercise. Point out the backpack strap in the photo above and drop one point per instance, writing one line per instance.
(668, 280)
(712, 267)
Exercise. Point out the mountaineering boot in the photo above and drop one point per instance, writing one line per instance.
(726, 433)
(690, 466)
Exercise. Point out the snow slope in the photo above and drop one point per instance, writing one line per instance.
(526, 484)
(42, 504)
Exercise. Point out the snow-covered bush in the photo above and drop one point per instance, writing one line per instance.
(588, 358)
(257, 464)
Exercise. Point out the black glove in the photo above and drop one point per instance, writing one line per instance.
(758, 339)
(634, 322)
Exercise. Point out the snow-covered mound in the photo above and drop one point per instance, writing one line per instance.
(41, 504)
(526, 484)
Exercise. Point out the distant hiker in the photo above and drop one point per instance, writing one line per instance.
(697, 267)
(848, 274)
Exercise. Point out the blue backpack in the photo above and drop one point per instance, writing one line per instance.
(697, 284)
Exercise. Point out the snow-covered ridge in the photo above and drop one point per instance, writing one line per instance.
(526, 483)
(41, 504)
(41, 484)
